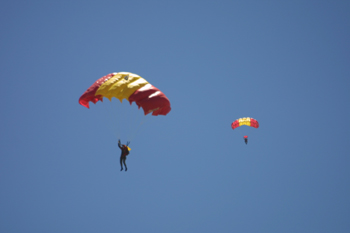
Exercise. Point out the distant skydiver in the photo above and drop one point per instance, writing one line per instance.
(125, 151)
(245, 139)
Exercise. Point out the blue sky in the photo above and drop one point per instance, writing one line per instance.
(284, 63)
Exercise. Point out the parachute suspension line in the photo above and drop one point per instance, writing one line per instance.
(145, 118)
(114, 118)
(124, 123)
(130, 121)
(126, 120)
(119, 118)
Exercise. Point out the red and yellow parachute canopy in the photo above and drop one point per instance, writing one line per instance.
(245, 121)
(125, 85)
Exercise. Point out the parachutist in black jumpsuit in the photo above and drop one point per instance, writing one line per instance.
(245, 139)
(123, 155)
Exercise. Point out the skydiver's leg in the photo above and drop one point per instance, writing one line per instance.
(121, 165)
(126, 168)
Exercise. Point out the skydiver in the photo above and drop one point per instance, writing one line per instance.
(245, 139)
(125, 152)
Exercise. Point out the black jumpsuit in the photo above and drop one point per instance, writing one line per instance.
(123, 155)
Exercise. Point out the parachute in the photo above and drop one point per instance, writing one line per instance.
(245, 121)
(129, 86)
(125, 121)
(245, 139)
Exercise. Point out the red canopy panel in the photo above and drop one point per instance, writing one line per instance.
(254, 123)
(89, 94)
(151, 99)
(235, 124)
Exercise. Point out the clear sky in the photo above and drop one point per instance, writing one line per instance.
(284, 63)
